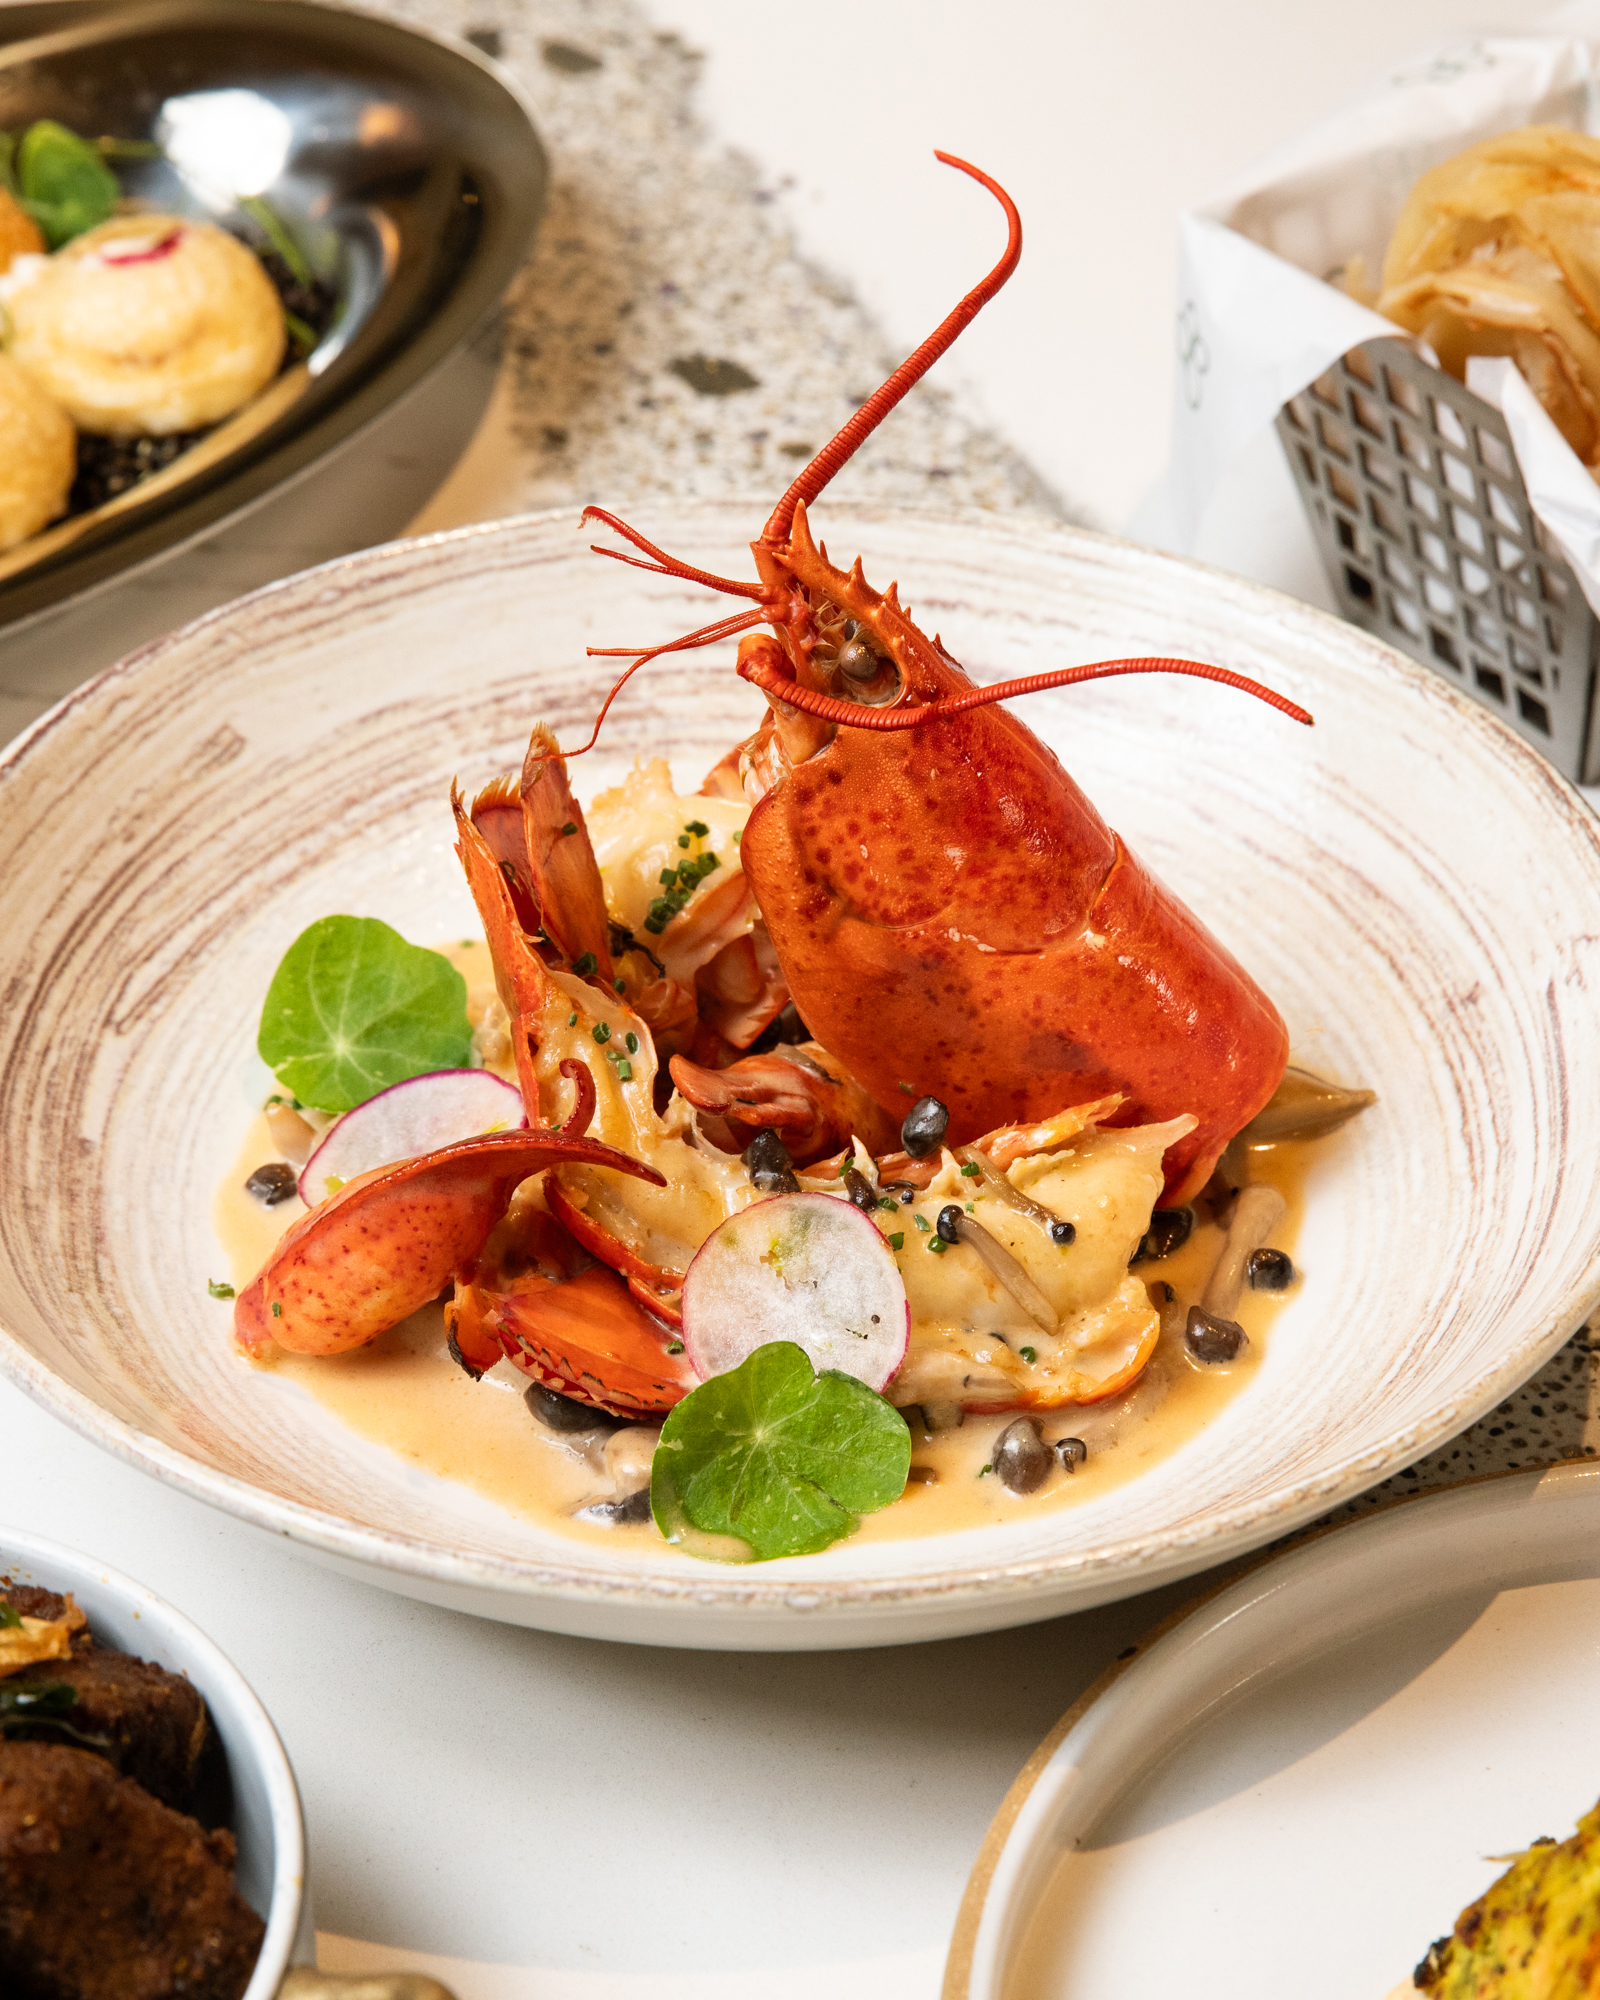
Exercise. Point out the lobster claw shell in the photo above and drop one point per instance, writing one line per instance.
(390, 1240)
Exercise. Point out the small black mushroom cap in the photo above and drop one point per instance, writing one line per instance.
(860, 1190)
(1072, 1452)
(1212, 1339)
(767, 1162)
(1269, 1271)
(273, 1183)
(618, 1513)
(565, 1413)
(1063, 1233)
(1169, 1230)
(924, 1126)
(1021, 1457)
(949, 1223)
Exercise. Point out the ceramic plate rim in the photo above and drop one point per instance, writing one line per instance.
(1125, 1567)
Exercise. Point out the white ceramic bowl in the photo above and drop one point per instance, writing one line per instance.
(266, 1805)
(1345, 1743)
(1416, 888)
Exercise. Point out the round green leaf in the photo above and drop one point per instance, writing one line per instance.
(782, 1458)
(353, 1008)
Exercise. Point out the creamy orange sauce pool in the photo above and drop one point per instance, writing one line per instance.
(405, 1393)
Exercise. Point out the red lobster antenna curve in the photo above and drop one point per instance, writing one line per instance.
(806, 487)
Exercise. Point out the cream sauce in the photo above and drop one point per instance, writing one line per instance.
(405, 1393)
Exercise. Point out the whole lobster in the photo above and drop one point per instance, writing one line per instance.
(951, 915)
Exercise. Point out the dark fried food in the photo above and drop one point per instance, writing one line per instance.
(105, 1894)
(151, 1724)
(1533, 1935)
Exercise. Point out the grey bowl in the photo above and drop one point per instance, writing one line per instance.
(406, 166)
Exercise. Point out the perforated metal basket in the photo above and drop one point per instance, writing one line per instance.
(1424, 525)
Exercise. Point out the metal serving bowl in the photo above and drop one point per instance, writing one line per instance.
(405, 166)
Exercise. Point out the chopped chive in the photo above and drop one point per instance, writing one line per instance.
(619, 986)
(908, 1090)
(572, 1020)
(938, 1245)
(885, 1203)
(277, 1310)
(633, 1042)
(982, 1469)
(683, 840)
(922, 1223)
(668, 875)
(585, 965)
(897, 1241)
(570, 827)
(602, 1032)
(218, 1289)
(1029, 1353)
(303, 336)
(624, 1069)
(736, 840)
(674, 1346)
(698, 828)
(971, 1170)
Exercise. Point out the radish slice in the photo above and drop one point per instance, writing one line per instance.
(409, 1119)
(810, 1268)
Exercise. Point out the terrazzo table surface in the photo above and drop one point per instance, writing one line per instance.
(538, 1816)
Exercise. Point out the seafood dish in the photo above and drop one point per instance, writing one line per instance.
(115, 1873)
(1492, 255)
(1534, 1933)
(126, 336)
(870, 1098)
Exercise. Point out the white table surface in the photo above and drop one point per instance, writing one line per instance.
(602, 1821)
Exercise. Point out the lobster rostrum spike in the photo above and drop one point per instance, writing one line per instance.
(951, 914)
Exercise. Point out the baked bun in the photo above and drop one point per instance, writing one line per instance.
(20, 235)
(39, 459)
(149, 325)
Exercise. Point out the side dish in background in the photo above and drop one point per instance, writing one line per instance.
(126, 335)
(1532, 1935)
(926, 1079)
(1495, 253)
(109, 1883)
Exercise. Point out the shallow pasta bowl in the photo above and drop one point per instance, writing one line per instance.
(1412, 883)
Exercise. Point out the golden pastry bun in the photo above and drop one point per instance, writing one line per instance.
(20, 235)
(149, 325)
(39, 459)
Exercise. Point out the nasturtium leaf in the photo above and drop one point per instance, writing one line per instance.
(778, 1456)
(353, 1008)
(63, 182)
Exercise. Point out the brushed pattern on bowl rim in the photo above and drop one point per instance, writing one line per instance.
(1408, 880)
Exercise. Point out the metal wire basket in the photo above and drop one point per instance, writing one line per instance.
(1424, 524)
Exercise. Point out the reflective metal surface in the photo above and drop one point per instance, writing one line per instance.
(407, 169)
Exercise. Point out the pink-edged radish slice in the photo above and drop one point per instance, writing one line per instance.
(810, 1268)
(407, 1120)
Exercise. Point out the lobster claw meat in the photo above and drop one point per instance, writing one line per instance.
(789, 1090)
(390, 1240)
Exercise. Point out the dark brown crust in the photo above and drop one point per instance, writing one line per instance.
(153, 1724)
(106, 1894)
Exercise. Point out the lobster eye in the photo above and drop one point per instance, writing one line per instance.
(859, 661)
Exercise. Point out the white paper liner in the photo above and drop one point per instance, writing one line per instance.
(1257, 320)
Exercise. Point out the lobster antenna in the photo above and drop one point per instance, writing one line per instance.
(707, 635)
(762, 673)
(910, 372)
(663, 564)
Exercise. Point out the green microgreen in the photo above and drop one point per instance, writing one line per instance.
(354, 1008)
(585, 965)
(779, 1457)
(277, 234)
(219, 1289)
(62, 181)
